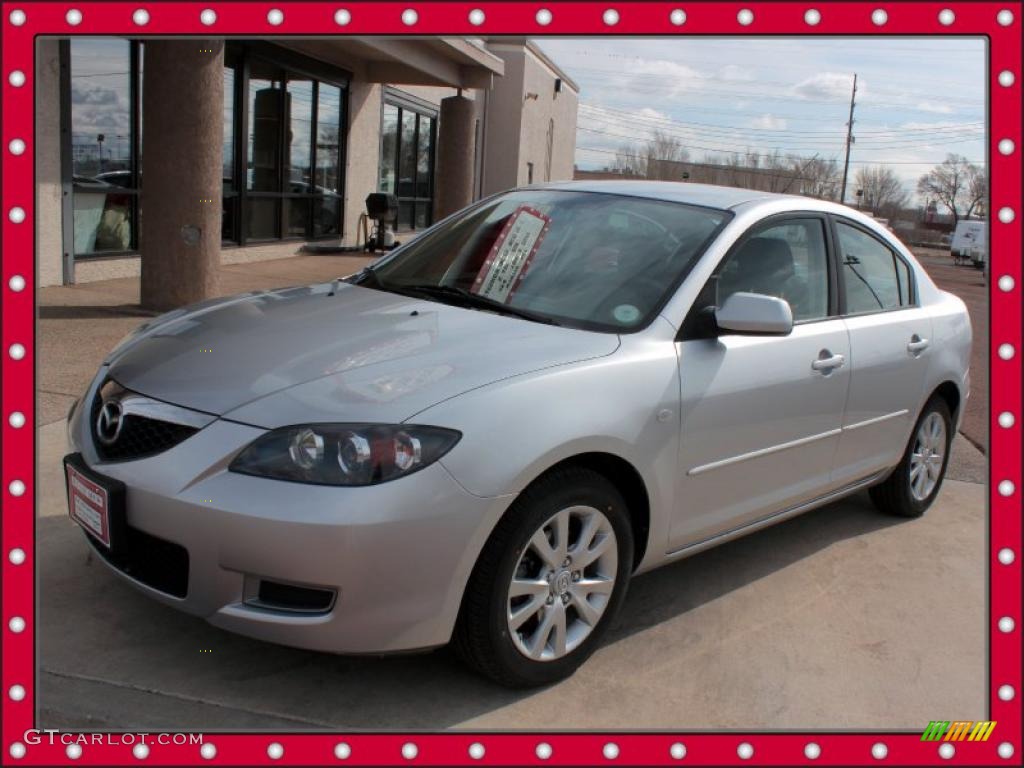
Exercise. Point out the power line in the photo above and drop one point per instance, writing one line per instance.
(757, 154)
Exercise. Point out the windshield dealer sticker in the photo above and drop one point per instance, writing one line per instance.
(510, 257)
(626, 313)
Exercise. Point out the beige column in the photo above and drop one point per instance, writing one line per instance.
(454, 172)
(182, 136)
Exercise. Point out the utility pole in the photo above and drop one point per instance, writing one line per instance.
(849, 139)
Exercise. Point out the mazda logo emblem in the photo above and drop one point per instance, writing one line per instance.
(108, 423)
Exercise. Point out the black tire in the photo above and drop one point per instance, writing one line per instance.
(482, 637)
(893, 495)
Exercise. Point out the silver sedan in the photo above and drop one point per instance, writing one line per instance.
(483, 436)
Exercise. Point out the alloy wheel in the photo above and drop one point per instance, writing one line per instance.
(927, 458)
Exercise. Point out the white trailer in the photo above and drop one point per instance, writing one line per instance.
(970, 241)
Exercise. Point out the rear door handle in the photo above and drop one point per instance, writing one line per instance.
(916, 345)
(827, 361)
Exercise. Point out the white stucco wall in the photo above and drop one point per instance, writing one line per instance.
(538, 114)
(49, 269)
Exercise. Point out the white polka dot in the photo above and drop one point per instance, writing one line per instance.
(879, 17)
(812, 751)
(1006, 488)
(1005, 750)
(946, 751)
(946, 17)
(410, 750)
(275, 751)
(1006, 351)
(477, 17)
(677, 17)
(610, 17)
(1005, 17)
(1006, 420)
(17, 750)
(745, 751)
(1006, 283)
(275, 16)
(17, 692)
(17, 488)
(17, 556)
(1006, 556)
(409, 17)
(610, 751)
(1006, 692)
(1006, 214)
(16, 283)
(73, 17)
(476, 750)
(1006, 78)
(16, 78)
(879, 751)
(342, 17)
(208, 17)
(544, 17)
(745, 17)
(17, 17)
(208, 751)
(141, 17)
(17, 351)
(16, 147)
(140, 751)
(543, 750)
(1006, 625)
(16, 419)
(16, 214)
(74, 751)
(678, 751)
(17, 625)
(342, 751)
(1006, 146)
(812, 17)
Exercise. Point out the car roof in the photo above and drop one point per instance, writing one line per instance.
(707, 195)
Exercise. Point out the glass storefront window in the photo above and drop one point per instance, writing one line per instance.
(230, 194)
(104, 181)
(407, 163)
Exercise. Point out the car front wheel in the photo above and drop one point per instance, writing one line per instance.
(914, 484)
(548, 582)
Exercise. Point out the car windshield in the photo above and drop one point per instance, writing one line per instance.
(582, 259)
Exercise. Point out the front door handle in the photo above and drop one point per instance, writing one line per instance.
(826, 362)
(917, 345)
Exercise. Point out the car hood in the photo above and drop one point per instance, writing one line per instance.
(335, 352)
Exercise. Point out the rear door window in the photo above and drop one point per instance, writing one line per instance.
(875, 279)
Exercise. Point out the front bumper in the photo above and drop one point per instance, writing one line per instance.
(397, 555)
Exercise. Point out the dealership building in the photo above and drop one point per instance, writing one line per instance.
(168, 157)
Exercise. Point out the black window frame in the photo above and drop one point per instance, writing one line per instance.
(405, 102)
(285, 62)
(913, 303)
(696, 326)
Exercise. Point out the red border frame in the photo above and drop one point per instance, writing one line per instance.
(452, 18)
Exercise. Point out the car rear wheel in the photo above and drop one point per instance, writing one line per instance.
(548, 581)
(914, 484)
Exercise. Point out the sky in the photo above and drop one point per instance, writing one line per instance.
(918, 99)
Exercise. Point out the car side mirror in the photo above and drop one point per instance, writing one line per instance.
(755, 314)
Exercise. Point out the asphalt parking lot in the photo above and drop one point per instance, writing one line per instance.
(842, 618)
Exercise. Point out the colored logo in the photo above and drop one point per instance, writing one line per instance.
(958, 730)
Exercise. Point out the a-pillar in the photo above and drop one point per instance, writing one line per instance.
(183, 136)
(455, 152)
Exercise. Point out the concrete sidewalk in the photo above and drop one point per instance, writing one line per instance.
(841, 618)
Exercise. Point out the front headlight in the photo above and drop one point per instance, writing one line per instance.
(344, 454)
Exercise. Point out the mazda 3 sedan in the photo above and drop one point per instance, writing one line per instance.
(481, 438)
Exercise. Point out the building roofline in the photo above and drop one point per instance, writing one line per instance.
(533, 48)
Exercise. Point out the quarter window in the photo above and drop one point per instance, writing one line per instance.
(787, 260)
(874, 278)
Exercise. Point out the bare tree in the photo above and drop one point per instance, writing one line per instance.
(665, 157)
(883, 192)
(950, 184)
(630, 161)
(977, 192)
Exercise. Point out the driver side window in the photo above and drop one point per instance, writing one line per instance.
(787, 260)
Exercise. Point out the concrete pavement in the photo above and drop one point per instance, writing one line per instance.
(842, 618)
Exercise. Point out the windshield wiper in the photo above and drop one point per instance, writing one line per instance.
(460, 296)
(366, 276)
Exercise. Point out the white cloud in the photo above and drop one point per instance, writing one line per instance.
(934, 106)
(827, 85)
(768, 123)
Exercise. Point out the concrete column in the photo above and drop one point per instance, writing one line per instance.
(454, 171)
(183, 132)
